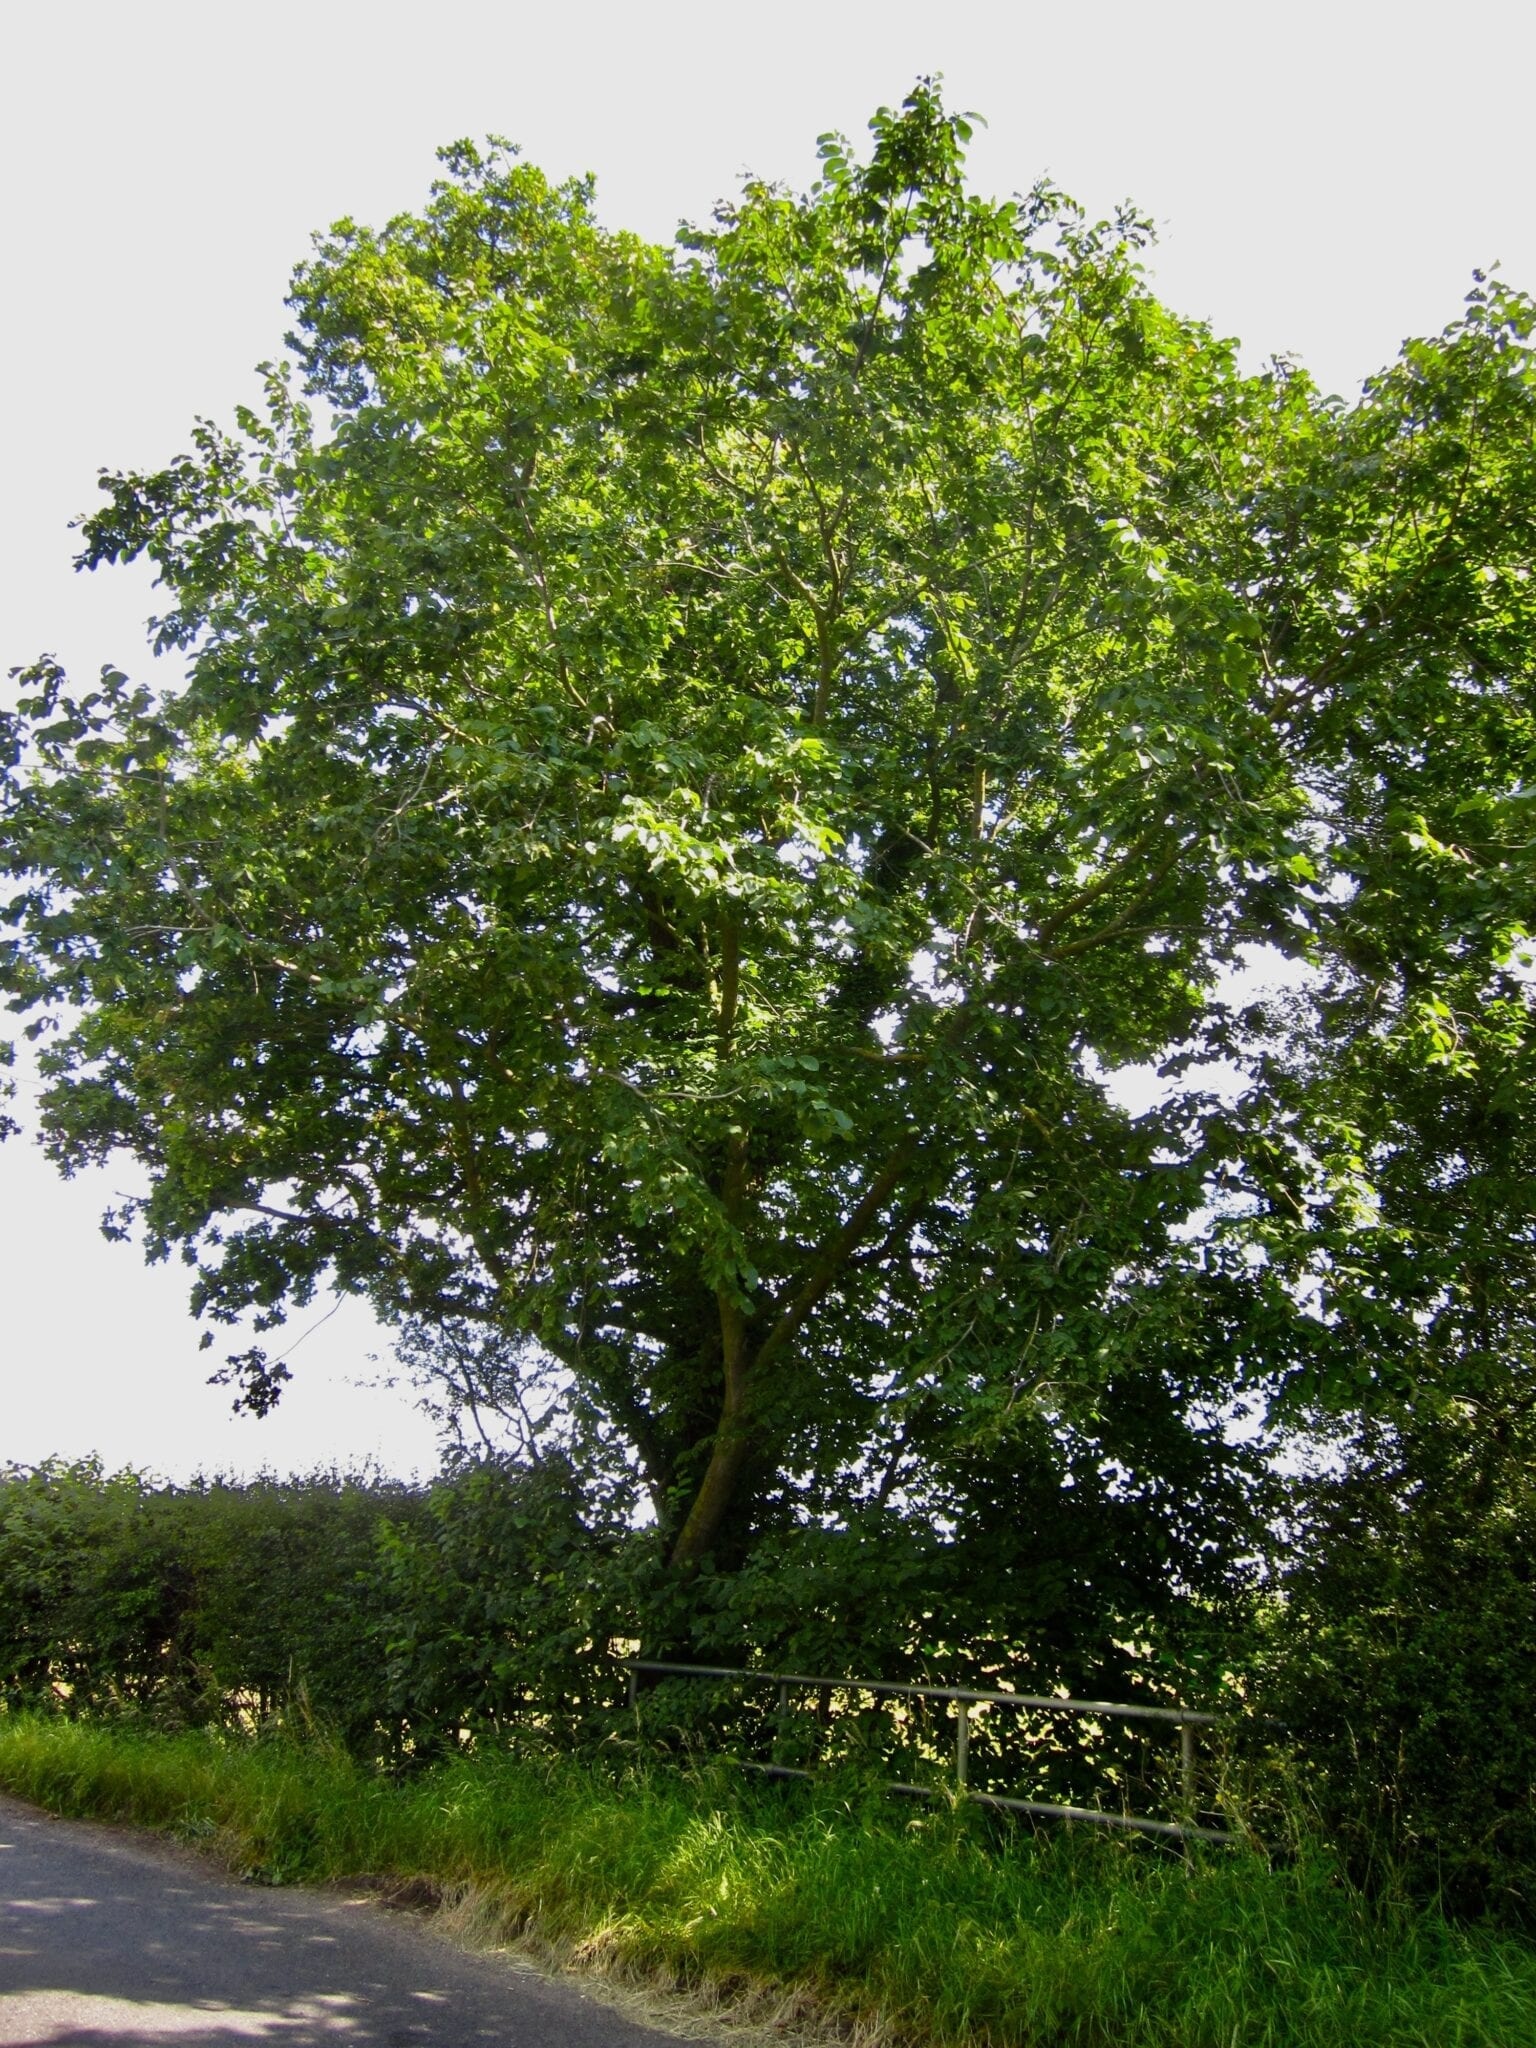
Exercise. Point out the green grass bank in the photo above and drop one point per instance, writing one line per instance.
(859, 1916)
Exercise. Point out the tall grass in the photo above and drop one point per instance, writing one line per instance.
(930, 1927)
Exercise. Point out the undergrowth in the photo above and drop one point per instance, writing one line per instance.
(929, 1927)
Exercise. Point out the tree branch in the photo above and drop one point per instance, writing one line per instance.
(832, 1260)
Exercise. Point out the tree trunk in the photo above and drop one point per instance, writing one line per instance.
(717, 1490)
(728, 1454)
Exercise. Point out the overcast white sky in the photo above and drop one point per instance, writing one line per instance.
(1325, 179)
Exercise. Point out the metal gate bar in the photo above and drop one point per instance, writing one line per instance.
(1186, 1719)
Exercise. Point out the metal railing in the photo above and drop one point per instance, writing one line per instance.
(963, 1698)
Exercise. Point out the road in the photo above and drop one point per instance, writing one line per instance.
(115, 1937)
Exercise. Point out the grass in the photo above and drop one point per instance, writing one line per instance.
(860, 1918)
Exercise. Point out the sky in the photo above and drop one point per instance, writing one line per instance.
(1324, 180)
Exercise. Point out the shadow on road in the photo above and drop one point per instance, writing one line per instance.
(112, 1938)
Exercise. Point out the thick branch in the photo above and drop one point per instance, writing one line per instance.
(832, 1260)
(1118, 926)
(1086, 897)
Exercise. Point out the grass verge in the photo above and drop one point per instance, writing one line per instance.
(858, 1919)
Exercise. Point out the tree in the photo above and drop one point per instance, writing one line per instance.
(692, 765)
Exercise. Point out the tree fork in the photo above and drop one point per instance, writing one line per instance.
(733, 1437)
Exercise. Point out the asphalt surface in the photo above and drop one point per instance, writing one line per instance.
(114, 1937)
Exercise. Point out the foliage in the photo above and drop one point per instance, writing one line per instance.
(1403, 1650)
(487, 1608)
(926, 1930)
(690, 769)
(693, 762)
(76, 1596)
(488, 1604)
(502, 1601)
(1401, 1645)
(213, 1602)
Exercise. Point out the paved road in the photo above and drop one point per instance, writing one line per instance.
(108, 1937)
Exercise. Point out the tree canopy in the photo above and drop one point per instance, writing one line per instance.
(691, 765)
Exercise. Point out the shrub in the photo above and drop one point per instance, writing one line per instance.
(1404, 1653)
